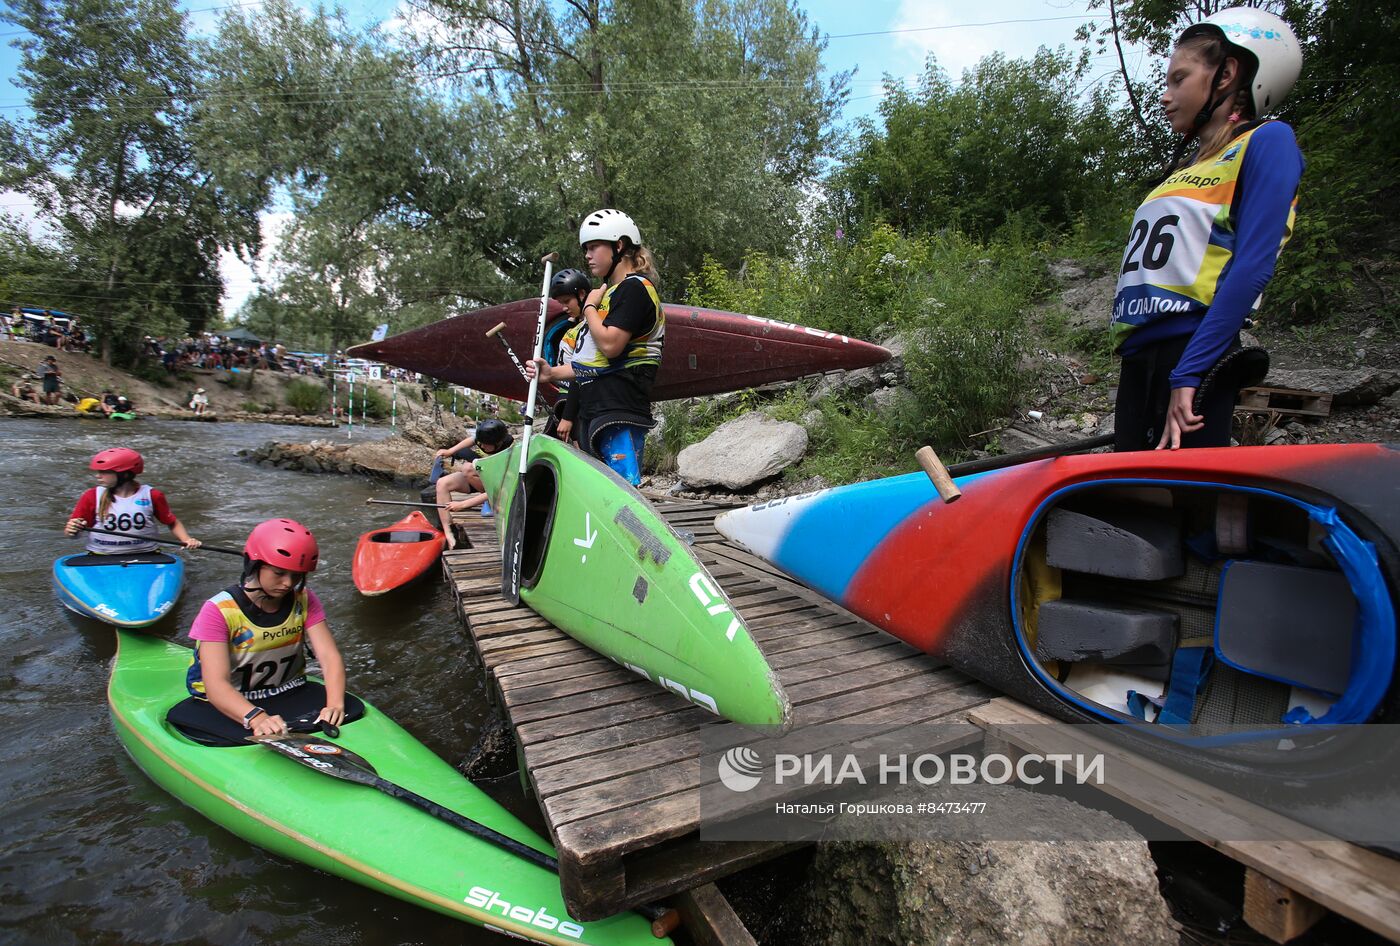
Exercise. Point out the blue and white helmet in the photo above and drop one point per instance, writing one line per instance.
(1269, 41)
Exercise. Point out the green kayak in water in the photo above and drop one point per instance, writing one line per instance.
(347, 829)
(601, 565)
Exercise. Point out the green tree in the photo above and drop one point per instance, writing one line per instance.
(109, 160)
(1014, 139)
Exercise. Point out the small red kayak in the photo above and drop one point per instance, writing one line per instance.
(392, 557)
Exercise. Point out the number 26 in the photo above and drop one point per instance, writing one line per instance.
(1155, 244)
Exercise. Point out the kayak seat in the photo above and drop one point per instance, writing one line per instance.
(198, 720)
(1075, 631)
(134, 558)
(1117, 542)
(402, 538)
(1286, 623)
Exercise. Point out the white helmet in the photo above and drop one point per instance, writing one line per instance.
(608, 225)
(1270, 41)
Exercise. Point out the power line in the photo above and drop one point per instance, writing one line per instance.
(960, 26)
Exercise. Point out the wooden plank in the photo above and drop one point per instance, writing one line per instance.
(666, 753)
(1280, 913)
(654, 704)
(663, 775)
(1359, 884)
(710, 920)
(614, 831)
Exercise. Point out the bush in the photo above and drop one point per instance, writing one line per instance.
(959, 304)
(306, 397)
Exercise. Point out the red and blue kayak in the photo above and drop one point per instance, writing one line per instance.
(707, 351)
(1246, 588)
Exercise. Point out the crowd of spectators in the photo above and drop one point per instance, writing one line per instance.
(61, 332)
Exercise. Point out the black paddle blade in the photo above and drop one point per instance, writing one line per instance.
(325, 757)
(512, 544)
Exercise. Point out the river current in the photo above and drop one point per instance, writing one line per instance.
(93, 852)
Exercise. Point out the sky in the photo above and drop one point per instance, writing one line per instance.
(877, 38)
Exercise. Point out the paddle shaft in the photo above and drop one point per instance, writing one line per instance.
(663, 920)
(496, 334)
(513, 538)
(1027, 456)
(145, 538)
(401, 502)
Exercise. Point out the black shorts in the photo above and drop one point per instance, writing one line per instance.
(200, 721)
(1144, 394)
(50, 385)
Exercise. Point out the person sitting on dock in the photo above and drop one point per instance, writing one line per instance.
(491, 436)
(118, 503)
(248, 672)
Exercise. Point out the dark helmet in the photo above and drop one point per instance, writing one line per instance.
(494, 434)
(570, 282)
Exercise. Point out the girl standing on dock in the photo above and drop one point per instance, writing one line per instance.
(1204, 243)
(619, 353)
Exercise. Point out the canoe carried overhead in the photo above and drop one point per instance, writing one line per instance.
(706, 351)
(602, 566)
(392, 557)
(347, 829)
(1248, 587)
(134, 589)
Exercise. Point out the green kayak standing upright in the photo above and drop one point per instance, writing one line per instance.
(601, 565)
(346, 829)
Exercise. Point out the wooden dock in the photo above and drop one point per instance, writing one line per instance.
(614, 761)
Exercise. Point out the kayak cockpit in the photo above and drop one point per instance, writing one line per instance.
(541, 501)
(1211, 605)
(404, 538)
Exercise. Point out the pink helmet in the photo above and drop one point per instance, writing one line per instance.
(118, 460)
(283, 543)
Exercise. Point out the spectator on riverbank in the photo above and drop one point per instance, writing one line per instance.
(51, 377)
(24, 389)
(199, 403)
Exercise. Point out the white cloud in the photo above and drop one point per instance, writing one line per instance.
(241, 278)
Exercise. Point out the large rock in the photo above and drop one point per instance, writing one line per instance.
(1092, 888)
(1346, 385)
(742, 452)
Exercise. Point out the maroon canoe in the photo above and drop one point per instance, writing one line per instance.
(707, 351)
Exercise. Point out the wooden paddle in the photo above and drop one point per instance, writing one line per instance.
(339, 762)
(146, 538)
(514, 538)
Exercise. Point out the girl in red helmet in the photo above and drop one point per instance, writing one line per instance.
(248, 673)
(118, 503)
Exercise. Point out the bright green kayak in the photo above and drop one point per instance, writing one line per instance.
(346, 829)
(602, 566)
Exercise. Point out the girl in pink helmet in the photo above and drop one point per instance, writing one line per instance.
(248, 673)
(118, 503)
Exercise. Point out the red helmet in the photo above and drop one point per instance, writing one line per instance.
(283, 543)
(118, 460)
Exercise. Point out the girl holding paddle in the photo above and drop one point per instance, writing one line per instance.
(118, 503)
(619, 345)
(248, 672)
(1204, 242)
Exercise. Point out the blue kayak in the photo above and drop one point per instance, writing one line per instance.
(133, 589)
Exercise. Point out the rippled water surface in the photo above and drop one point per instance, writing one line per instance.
(91, 851)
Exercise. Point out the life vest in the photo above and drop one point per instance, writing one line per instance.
(644, 348)
(135, 514)
(263, 661)
(1182, 240)
(569, 344)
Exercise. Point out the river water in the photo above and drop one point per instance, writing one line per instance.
(91, 851)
